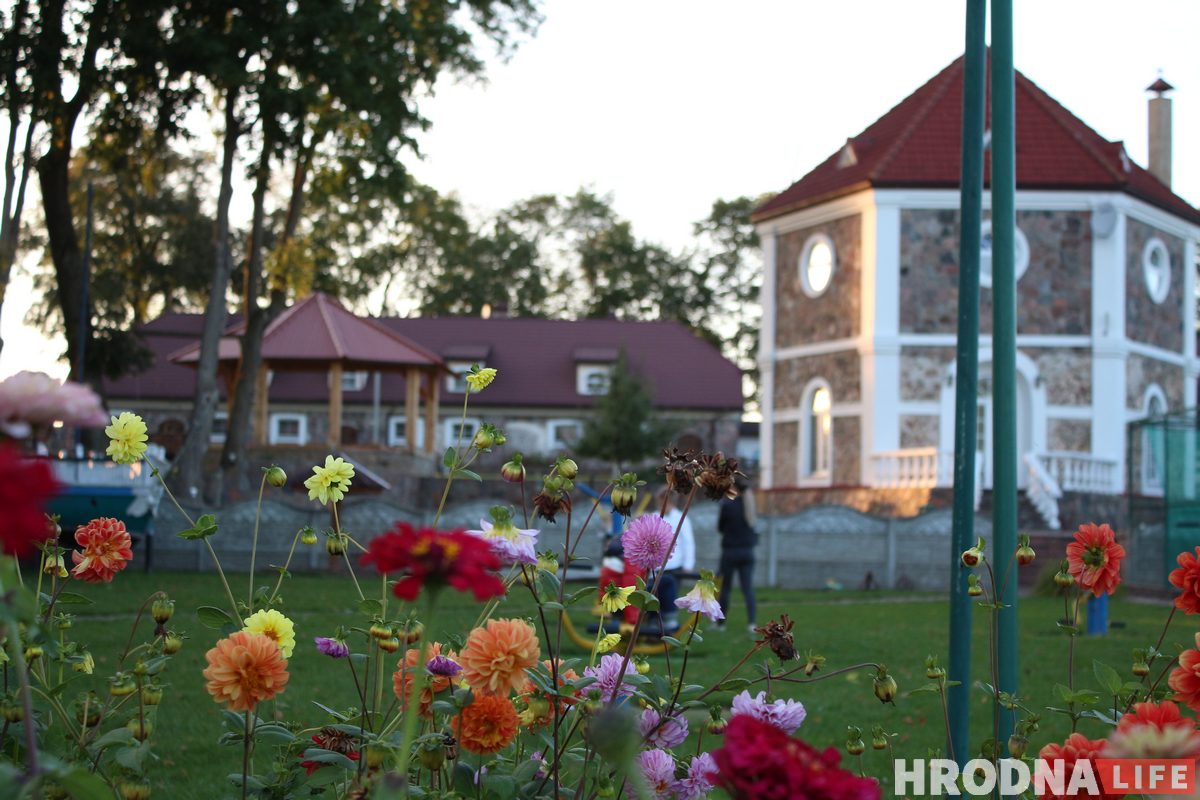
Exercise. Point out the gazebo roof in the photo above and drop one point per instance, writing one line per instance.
(318, 330)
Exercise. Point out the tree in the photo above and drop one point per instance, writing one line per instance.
(624, 429)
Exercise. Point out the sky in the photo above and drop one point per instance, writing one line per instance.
(668, 105)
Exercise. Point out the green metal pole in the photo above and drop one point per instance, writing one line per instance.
(1004, 350)
(967, 377)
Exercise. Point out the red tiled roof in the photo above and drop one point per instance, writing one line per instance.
(918, 145)
(319, 330)
(537, 360)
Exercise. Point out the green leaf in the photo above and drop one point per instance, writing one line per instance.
(213, 617)
(73, 599)
(644, 600)
(274, 734)
(553, 605)
(1108, 677)
(579, 594)
(463, 779)
(733, 685)
(83, 785)
(134, 758)
(502, 787)
(449, 458)
(205, 526)
(322, 756)
(371, 607)
(156, 665)
(475, 476)
(115, 736)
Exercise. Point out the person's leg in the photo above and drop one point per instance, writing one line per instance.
(725, 573)
(747, 580)
(668, 590)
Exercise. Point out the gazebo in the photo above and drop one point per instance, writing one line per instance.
(318, 333)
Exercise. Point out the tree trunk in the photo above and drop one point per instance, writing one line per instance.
(237, 437)
(190, 461)
(53, 177)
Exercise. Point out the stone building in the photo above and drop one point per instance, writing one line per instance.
(860, 303)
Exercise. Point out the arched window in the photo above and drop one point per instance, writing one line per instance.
(816, 433)
(1154, 454)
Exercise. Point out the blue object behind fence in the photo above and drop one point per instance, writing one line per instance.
(1097, 615)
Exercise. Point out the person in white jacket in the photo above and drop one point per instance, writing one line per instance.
(683, 559)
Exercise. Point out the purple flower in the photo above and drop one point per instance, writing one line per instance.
(647, 541)
(510, 543)
(334, 648)
(443, 666)
(657, 733)
(702, 599)
(698, 782)
(787, 715)
(658, 768)
(607, 674)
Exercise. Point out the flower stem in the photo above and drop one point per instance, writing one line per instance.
(457, 457)
(254, 542)
(415, 687)
(286, 564)
(246, 751)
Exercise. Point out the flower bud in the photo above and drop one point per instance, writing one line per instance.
(131, 790)
(717, 726)
(885, 686)
(11, 710)
(33, 652)
(87, 710)
(642, 666)
(1025, 555)
(487, 437)
(276, 477)
(380, 631)
(152, 694)
(172, 644)
(1016, 745)
(63, 621)
(411, 632)
(54, 565)
(308, 535)
(973, 587)
(86, 664)
(567, 468)
(972, 557)
(141, 728)
(1141, 669)
(121, 685)
(431, 753)
(335, 544)
(547, 561)
(162, 610)
(624, 493)
(879, 742)
(389, 645)
(855, 747)
(139, 669)
(513, 470)
(1063, 579)
(377, 755)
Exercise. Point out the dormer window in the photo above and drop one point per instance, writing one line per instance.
(354, 381)
(592, 379)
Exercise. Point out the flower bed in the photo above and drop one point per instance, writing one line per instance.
(503, 708)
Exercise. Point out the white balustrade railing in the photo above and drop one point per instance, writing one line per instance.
(912, 468)
(1081, 472)
(1043, 491)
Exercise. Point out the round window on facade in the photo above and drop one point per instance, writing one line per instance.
(1020, 253)
(817, 263)
(1156, 265)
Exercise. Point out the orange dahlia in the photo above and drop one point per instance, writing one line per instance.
(107, 550)
(1094, 558)
(407, 667)
(487, 726)
(1187, 580)
(245, 669)
(495, 657)
(1077, 747)
(1185, 678)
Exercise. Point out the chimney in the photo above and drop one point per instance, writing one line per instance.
(1160, 130)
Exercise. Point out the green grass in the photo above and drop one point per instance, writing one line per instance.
(846, 627)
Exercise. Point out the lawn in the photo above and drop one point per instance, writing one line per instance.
(846, 627)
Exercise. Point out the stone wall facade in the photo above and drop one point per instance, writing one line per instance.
(1053, 296)
(923, 371)
(840, 370)
(1141, 372)
(1069, 435)
(1067, 373)
(847, 451)
(919, 430)
(786, 457)
(1159, 324)
(834, 314)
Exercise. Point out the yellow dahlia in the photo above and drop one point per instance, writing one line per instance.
(127, 438)
(274, 626)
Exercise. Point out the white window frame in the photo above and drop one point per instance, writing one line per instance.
(584, 372)
(805, 258)
(354, 380)
(1152, 483)
(1020, 253)
(215, 437)
(811, 474)
(456, 381)
(276, 437)
(552, 427)
(450, 430)
(395, 438)
(1156, 277)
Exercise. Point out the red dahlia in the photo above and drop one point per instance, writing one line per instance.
(26, 485)
(760, 761)
(1094, 558)
(428, 557)
(1187, 580)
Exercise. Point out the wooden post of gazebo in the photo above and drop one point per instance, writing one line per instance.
(335, 404)
(431, 410)
(412, 399)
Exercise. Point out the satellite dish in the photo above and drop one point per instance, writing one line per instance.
(1104, 220)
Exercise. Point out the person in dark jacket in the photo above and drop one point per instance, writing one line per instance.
(738, 539)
